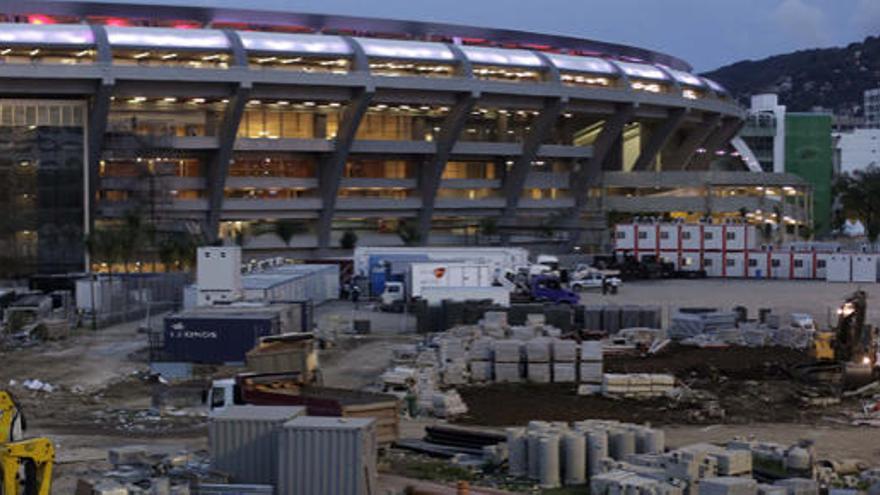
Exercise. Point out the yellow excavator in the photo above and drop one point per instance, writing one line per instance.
(846, 354)
(25, 465)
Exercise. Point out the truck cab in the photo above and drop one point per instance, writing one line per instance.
(393, 298)
(223, 393)
(549, 289)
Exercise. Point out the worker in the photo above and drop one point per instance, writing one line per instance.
(355, 295)
(604, 285)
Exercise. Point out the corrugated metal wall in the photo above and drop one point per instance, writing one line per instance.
(327, 456)
(244, 441)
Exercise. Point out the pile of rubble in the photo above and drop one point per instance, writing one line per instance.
(151, 470)
(710, 327)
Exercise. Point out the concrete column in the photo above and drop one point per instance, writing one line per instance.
(432, 170)
(659, 138)
(99, 111)
(611, 133)
(715, 142)
(218, 165)
(332, 168)
(694, 140)
(519, 172)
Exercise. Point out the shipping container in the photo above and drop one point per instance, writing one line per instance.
(327, 456)
(713, 237)
(624, 237)
(864, 267)
(821, 260)
(378, 264)
(803, 265)
(671, 257)
(838, 267)
(713, 264)
(740, 237)
(758, 264)
(243, 441)
(317, 283)
(689, 262)
(668, 237)
(781, 265)
(423, 275)
(221, 337)
(646, 236)
(218, 274)
(692, 237)
(735, 265)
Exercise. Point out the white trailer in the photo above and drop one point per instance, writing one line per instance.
(758, 264)
(712, 263)
(864, 267)
(803, 265)
(735, 265)
(624, 237)
(713, 237)
(740, 237)
(781, 265)
(838, 267)
(218, 274)
(503, 258)
(691, 237)
(439, 274)
(646, 237)
(436, 295)
(668, 238)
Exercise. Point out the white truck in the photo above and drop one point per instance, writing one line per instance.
(586, 278)
(427, 276)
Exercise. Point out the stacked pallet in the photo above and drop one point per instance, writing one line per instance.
(637, 385)
(564, 361)
(590, 367)
(538, 358)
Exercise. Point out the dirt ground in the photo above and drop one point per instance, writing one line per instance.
(102, 395)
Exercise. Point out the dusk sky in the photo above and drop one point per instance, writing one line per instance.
(706, 33)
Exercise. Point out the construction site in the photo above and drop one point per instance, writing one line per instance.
(472, 370)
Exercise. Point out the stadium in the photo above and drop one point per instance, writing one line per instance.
(220, 120)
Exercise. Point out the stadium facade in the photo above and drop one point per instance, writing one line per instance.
(216, 119)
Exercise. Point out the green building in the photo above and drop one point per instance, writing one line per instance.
(808, 154)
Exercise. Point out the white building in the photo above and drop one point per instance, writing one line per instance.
(872, 108)
(764, 132)
(858, 150)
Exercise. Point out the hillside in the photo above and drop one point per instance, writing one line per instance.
(831, 77)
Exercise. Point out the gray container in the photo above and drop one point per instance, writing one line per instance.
(621, 443)
(574, 445)
(225, 489)
(517, 446)
(243, 441)
(593, 318)
(630, 316)
(548, 461)
(327, 456)
(611, 319)
(597, 451)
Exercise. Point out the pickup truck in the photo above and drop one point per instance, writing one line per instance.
(544, 288)
(592, 279)
(286, 389)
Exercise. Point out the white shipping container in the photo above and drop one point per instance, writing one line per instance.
(712, 263)
(624, 237)
(646, 236)
(500, 258)
(803, 265)
(821, 265)
(219, 269)
(689, 262)
(713, 237)
(691, 237)
(739, 237)
(864, 267)
(668, 240)
(671, 257)
(443, 274)
(780, 265)
(758, 264)
(735, 265)
(436, 295)
(838, 268)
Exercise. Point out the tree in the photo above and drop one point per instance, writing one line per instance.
(409, 234)
(286, 229)
(348, 240)
(859, 194)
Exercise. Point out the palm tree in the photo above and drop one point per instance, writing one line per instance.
(409, 234)
(286, 229)
(348, 240)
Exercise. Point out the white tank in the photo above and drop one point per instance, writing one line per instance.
(532, 440)
(574, 447)
(548, 465)
(621, 443)
(597, 450)
(517, 447)
(650, 441)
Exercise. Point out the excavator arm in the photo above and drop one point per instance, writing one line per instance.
(11, 419)
(37, 457)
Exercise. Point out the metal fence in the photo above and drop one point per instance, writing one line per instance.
(104, 300)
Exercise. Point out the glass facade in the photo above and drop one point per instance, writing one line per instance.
(41, 186)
